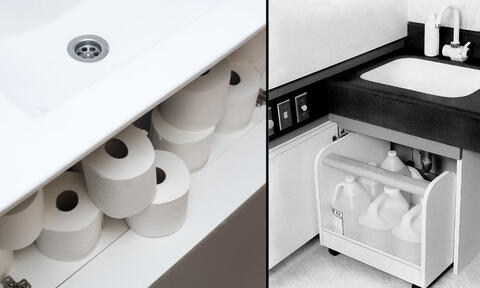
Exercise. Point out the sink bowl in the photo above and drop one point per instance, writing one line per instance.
(36, 71)
(425, 76)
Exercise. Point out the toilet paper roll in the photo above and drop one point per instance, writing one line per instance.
(120, 175)
(168, 212)
(20, 226)
(6, 260)
(200, 105)
(73, 224)
(192, 147)
(241, 98)
(251, 51)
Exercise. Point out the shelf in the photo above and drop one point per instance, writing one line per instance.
(235, 171)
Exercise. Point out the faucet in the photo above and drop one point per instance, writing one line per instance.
(455, 51)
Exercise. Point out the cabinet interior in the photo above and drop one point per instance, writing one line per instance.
(438, 205)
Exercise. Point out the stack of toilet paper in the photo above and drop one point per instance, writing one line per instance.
(124, 178)
(247, 78)
(60, 219)
(222, 99)
(127, 178)
(254, 53)
(19, 228)
(73, 224)
(184, 124)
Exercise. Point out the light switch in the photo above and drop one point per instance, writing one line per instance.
(284, 114)
(301, 106)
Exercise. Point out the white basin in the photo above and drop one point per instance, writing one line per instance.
(425, 76)
(37, 73)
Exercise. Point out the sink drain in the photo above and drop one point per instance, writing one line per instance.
(88, 48)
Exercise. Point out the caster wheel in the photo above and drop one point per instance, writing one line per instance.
(415, 286)
(334, 253)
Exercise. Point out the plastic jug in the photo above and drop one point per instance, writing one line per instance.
(407, 236)
(394, 164)
(372, 187)
(348, 202)
(382, 215)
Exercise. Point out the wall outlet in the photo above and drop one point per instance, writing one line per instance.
(301, 107)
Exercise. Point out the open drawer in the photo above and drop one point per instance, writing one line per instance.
(349, 155)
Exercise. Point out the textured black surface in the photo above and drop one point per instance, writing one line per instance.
(454, 121)
(317, 105)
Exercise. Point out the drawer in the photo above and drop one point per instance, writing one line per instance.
(349, 155)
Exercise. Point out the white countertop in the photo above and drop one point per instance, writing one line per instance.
(34, 150)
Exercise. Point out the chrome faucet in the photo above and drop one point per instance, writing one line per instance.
(455, 51)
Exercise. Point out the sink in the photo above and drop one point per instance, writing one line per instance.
(426, 76)
(37, 73)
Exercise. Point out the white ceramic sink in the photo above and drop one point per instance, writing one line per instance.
(425, 76)
(37, 74)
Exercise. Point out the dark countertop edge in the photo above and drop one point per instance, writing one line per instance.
(351, 79)
(430, 117)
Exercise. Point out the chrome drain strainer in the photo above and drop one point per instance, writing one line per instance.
(88, 48)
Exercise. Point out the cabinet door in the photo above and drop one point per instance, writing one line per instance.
(292, 204)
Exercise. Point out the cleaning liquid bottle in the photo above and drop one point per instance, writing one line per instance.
(382, 215)
(394, 164)
(348, 202)
(407, 236)
(432, 37)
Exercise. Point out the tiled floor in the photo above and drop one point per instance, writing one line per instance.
(313, 267)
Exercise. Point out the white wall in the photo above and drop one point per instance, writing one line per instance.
(309, 35)
(418, 11)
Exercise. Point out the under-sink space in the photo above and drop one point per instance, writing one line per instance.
(351, 155)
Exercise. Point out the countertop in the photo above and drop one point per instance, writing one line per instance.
(34, 150)
(453, 121)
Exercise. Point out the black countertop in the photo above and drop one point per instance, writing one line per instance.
(453, 121)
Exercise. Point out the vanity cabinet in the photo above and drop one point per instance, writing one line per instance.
(292, 214)
(121, 251)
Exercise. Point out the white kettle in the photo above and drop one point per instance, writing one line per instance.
(349, 200)
(382, 215)
(407, 236)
